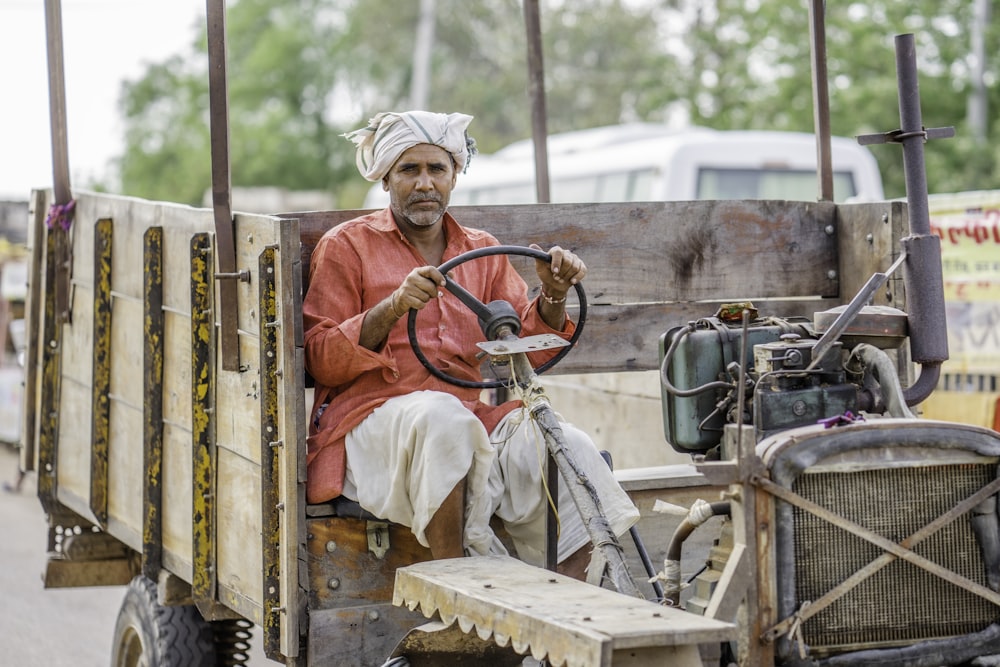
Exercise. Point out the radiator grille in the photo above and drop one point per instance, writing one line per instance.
(901, 603)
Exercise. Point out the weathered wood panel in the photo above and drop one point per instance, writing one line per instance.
(680, 260)
(665, 251)
(237, 416)
(126, 475)
(176, 538)
(73, 459)
(239, 524)
(235, 406)
(343, 572)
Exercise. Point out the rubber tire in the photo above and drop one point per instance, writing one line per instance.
(148, 634)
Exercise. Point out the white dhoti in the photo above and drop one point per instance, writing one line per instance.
(405, 458)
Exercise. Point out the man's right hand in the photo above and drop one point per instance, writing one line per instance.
(421, 285)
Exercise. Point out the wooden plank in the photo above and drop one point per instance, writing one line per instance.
(343, 572)
(177, 501)
(772, 253)
(73, 469)
(33, 335)
(868, 243)
(237, 532)
(569, 621)
(177, 368)
(126, 475)
(237, 405)
(665, 251)
(128, 344)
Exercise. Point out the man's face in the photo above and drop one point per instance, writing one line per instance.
(420, 184)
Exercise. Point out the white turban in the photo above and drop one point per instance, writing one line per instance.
(389, 134)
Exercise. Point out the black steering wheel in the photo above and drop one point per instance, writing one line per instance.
(491, 316)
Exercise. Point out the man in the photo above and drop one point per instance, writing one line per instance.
(407, 446)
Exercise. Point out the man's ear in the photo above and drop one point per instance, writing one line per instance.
(385, 184)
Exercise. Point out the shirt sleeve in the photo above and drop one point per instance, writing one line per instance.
(332, 315)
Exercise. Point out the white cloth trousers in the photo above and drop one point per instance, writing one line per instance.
(436, 442)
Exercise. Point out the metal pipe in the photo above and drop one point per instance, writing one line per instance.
(580, 488)
(536, 92)
(222, 203)
(922, 275)
(57, 102)
(700, 512)
(821, 99)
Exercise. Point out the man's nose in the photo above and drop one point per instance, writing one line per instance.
(424, 181)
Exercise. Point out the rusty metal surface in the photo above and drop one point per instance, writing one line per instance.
(152, 404)
(203, 573)
(270, 455)
(101, 388)
(49, 385)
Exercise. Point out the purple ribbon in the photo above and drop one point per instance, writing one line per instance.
(840, 420)
(61, 214)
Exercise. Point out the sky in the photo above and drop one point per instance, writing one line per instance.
(104, 43)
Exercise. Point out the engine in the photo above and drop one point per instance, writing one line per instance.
(880, 529)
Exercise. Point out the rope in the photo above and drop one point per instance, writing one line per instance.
(61, 215)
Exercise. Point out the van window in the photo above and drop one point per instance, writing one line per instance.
(716, 183)
(647, 162)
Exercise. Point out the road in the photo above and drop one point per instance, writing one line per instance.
(57, 627)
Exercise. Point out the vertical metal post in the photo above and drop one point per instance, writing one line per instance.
(539, 133)
(100, 428)
(218, 98)
(912, 135)
(922, 272)
(57, 102)
(420, 84)
(821, 98)
(536, 91)
(922, 277)
(270, 456)
(153, 328)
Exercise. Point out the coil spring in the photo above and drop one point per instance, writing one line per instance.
(232, 642)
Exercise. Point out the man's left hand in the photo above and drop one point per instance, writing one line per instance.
(559, 275)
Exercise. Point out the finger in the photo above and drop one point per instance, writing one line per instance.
(575, 269)
(558, 259)
(432, 274)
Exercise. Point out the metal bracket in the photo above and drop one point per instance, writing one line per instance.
(378, 538)
(899, 136)
(526, 344)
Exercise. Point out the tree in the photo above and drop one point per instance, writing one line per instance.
(303, 72)
(748, 68)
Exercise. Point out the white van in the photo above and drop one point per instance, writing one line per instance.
(651, 162)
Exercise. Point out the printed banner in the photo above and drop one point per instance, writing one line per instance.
(968, 224)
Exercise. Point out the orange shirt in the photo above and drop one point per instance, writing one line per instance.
(355, 266)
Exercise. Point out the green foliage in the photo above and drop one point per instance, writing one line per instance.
(302, 72)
